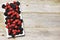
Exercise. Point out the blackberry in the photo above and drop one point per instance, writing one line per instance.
(21, 29)
(12, 5)
(5, 22)
(7, 18)
(21, 20)
(18, 3)
(3, 6)
(17, 33)
(19, 12)
(13, 35)
(7, 10)
(5, 13)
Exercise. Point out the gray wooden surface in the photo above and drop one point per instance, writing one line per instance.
(41, 20)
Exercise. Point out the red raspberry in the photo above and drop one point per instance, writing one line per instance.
(19, 22)
(16, 20)
(14, 31)
(8, 6)
(9, 13)
(18, 31)
(8, 20)
(17, 7)
(11, 8)
(11, 20)
(6, 26)
(16, 26)
(10, 29)
(17, 16)
(5, 8)
(12, 11)
(12, 24)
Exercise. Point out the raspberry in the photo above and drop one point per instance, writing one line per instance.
(6, 26)
(18, 31)
(16, 26)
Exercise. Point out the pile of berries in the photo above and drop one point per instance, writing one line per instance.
(13, 20)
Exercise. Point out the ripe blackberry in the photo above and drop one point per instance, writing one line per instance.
(13, 35)
(19, 12)
(13, 5)
(21, 29)
(21, 20)
(5, 13)
(5, 22)
(3, 6)
(18, 3)
(7, 10)
(7, 18)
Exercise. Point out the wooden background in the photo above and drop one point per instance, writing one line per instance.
(41, 20)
